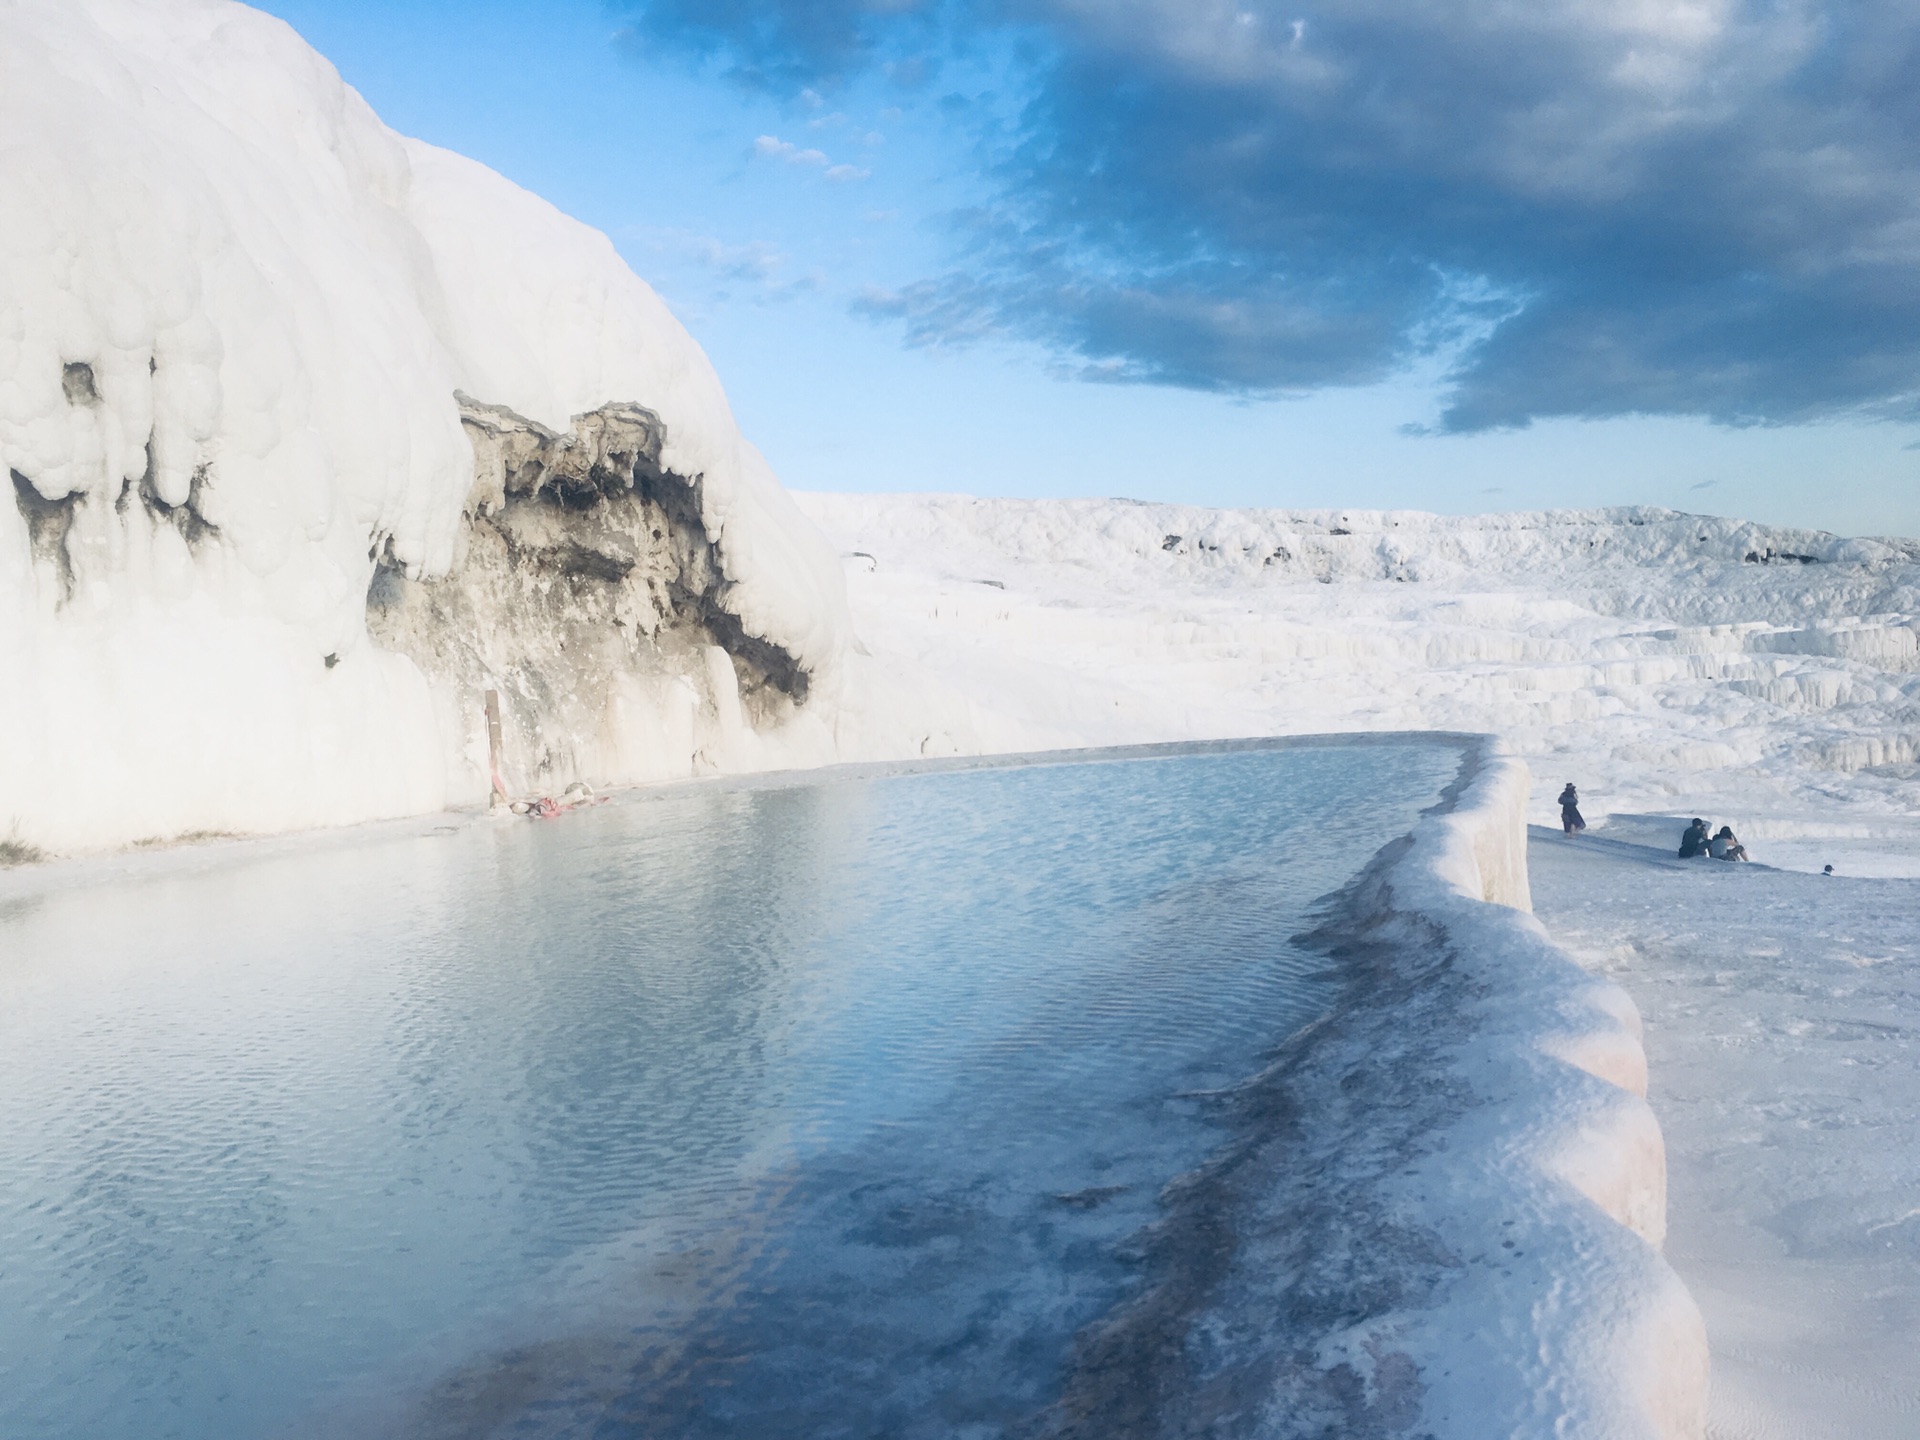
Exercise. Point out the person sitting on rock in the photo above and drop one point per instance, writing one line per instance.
(1694, 842)
(1725, 846)
(1570, 809)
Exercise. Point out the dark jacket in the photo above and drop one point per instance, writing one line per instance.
(1694, 842)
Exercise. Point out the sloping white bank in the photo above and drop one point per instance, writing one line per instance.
(1450, 1193)
(1787, 1077)
(1665, 662)
(235, 310)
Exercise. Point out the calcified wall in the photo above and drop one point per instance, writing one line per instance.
(235, 312)
(587, 592)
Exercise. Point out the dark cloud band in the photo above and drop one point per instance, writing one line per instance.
(1709, 207)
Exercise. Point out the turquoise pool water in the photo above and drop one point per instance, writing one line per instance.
(825, 1109)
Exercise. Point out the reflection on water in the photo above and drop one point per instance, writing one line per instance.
(819, 1110)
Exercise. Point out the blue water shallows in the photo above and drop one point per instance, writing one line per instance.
(828, 1109)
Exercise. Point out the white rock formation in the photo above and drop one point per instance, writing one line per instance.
(1664, 662)
(235, 310)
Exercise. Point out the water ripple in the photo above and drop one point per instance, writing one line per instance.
(821, 1110)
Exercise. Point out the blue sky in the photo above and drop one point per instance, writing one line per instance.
(1371, 254)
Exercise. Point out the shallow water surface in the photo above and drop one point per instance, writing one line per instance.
(827, 1109)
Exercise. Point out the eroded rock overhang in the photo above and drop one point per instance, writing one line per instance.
(588, 590)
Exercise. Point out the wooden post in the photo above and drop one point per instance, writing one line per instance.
(493, 746)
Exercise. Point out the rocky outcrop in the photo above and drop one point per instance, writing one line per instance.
(589, 593)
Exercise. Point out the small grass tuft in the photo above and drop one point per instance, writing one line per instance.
(185, 837)
(15, 851)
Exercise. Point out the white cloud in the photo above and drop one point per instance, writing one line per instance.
(772, 147)
(756, 260)
(759, 264)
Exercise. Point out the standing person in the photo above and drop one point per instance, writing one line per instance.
(1570, 809)
(1694, 842)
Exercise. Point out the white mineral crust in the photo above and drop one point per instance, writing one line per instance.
(234, 310)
